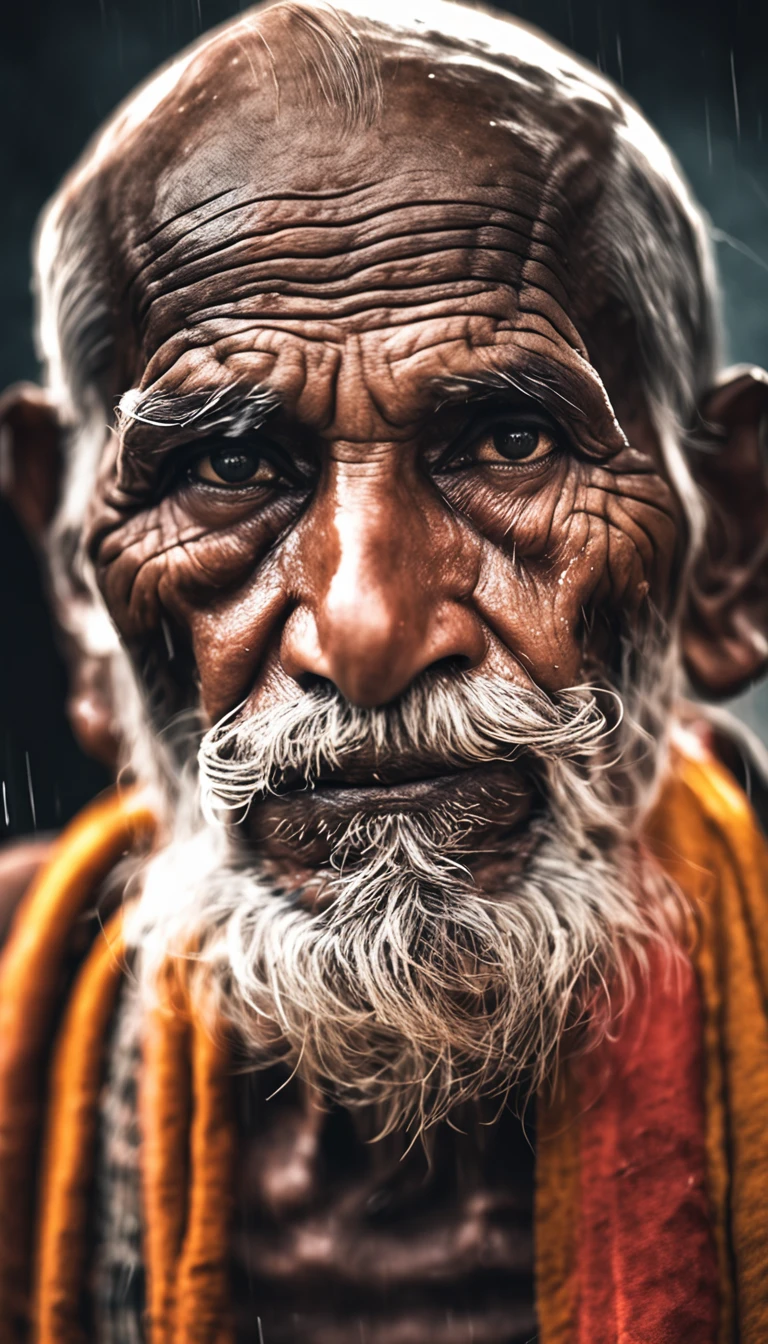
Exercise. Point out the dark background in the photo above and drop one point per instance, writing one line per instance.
(698, 68)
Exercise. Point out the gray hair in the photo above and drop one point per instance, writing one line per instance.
(399, 982)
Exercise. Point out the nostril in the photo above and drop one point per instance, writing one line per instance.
(451, 665)
(310, 681)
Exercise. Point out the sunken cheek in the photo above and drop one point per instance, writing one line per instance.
(182, 555)
(583, 533)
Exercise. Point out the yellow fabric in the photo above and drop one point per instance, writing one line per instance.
(557, 1207)
(714, 847)
(31, 968)
(70, 1143)
(202, 1284)
(164, 1110)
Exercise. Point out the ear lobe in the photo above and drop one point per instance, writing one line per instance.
(725, 624)
(30, 455)
(90, 708)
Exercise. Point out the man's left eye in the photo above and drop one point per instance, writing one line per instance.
(235, 466)
(505, 444)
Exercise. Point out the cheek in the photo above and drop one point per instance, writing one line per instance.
(176, 581)
(632, 523)
(627, 518)
(573, 561)
(175, 558)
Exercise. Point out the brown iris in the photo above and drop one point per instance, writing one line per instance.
(235, 466)
(506, 444)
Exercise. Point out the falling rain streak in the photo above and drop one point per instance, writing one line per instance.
(735, 88)
(31, 791)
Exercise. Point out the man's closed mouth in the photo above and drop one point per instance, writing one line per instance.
(486, 796)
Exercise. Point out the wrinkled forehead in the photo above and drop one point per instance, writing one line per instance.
(271, 123)
(280, 189)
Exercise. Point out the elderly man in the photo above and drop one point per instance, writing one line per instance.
(388, 483)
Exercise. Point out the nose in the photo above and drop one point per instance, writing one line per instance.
(387, 573)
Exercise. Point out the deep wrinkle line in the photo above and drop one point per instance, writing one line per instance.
(382, 242)
(532, 219)
(345, 285)
(253, 200)
(348, 222)
(182, 214)
(466, 246)
(470, 288)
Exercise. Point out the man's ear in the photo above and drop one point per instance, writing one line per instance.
(30, 456)
(725, 625)
(31, 463)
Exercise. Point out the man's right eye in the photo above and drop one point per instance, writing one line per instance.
(234, 466)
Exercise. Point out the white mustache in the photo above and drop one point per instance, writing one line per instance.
(456, 721)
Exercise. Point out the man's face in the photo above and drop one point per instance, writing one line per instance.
(369, 441)
(370, 507)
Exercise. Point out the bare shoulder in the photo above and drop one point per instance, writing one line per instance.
(20, 861)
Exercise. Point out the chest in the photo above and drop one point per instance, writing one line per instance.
(338, 1237)
(343, 1238)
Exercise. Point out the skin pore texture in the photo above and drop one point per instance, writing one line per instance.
(382, 350)
(375, 308)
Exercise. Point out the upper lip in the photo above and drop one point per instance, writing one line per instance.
(364, 776)
(493, 785)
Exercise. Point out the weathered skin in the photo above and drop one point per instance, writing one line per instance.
(391, 289)
(352, 278)
(353, 275)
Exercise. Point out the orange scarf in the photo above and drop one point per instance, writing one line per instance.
(652, 1165)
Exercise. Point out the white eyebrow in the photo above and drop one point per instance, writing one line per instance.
(232, 409)
(457, 387)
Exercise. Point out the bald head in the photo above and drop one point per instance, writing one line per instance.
(346, 114)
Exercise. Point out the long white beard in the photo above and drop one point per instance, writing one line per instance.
(410, 988)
